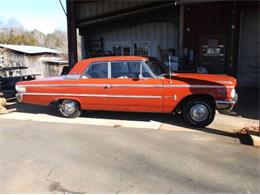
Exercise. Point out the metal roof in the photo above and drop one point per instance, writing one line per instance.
(60, 62)
(28, 49)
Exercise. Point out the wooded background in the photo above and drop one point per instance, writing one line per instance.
(13, 32)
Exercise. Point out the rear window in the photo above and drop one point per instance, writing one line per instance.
(97, 70)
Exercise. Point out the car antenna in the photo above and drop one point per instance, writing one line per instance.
(170, 75)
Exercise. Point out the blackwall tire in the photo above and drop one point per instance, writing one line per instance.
(69, 108)
(198, 112)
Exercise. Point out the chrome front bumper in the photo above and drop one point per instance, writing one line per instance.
(226, 105)
(19, 97)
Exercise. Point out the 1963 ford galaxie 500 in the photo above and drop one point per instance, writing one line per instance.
(132, 83)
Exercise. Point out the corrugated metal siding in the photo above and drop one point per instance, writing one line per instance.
(160, 34)
(87, 9)
(248, 66)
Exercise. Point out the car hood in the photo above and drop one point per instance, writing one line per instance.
(196, 78)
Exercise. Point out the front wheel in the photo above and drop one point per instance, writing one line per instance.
(198, 112)
(69, 108)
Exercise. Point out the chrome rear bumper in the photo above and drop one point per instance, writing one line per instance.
(226, 105)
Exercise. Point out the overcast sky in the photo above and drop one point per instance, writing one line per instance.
(43, 15)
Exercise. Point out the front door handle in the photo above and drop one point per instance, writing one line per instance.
(107, 86)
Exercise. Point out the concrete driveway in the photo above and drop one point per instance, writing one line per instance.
(96, 153)
(222, 123)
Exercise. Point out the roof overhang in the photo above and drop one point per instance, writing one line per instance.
(198, 1)
(28, 49)
(56, 62)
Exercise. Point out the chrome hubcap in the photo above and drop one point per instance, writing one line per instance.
(199, 113)
(68, 107)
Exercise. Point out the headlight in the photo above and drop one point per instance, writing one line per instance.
(233, 93)
(20, 88)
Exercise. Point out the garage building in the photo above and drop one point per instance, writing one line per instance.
(219, 37)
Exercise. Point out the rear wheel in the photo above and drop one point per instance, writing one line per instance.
(198, 112)
(69, 108)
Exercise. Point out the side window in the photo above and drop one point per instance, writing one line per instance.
(119, 70)
(135, 69)
(97, 70)
(129, 69)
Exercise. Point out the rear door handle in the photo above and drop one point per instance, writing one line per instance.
(107, 86)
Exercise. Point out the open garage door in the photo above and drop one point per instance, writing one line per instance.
(248, 64)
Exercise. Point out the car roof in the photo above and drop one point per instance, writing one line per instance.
(82, 65)
(113, 58)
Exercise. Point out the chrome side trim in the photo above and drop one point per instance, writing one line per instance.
(94, 95)
(197, 86)
(92, 85)
(127, 85)
(65, 85)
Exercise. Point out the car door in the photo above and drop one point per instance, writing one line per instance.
(133, 88)
(93, 84)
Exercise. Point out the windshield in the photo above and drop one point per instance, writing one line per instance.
(157, 67)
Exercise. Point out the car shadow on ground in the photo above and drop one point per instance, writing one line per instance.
(168, 119)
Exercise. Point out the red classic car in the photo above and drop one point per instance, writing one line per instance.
(132, 83)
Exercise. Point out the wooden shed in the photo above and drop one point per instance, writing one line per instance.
(40, 61)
